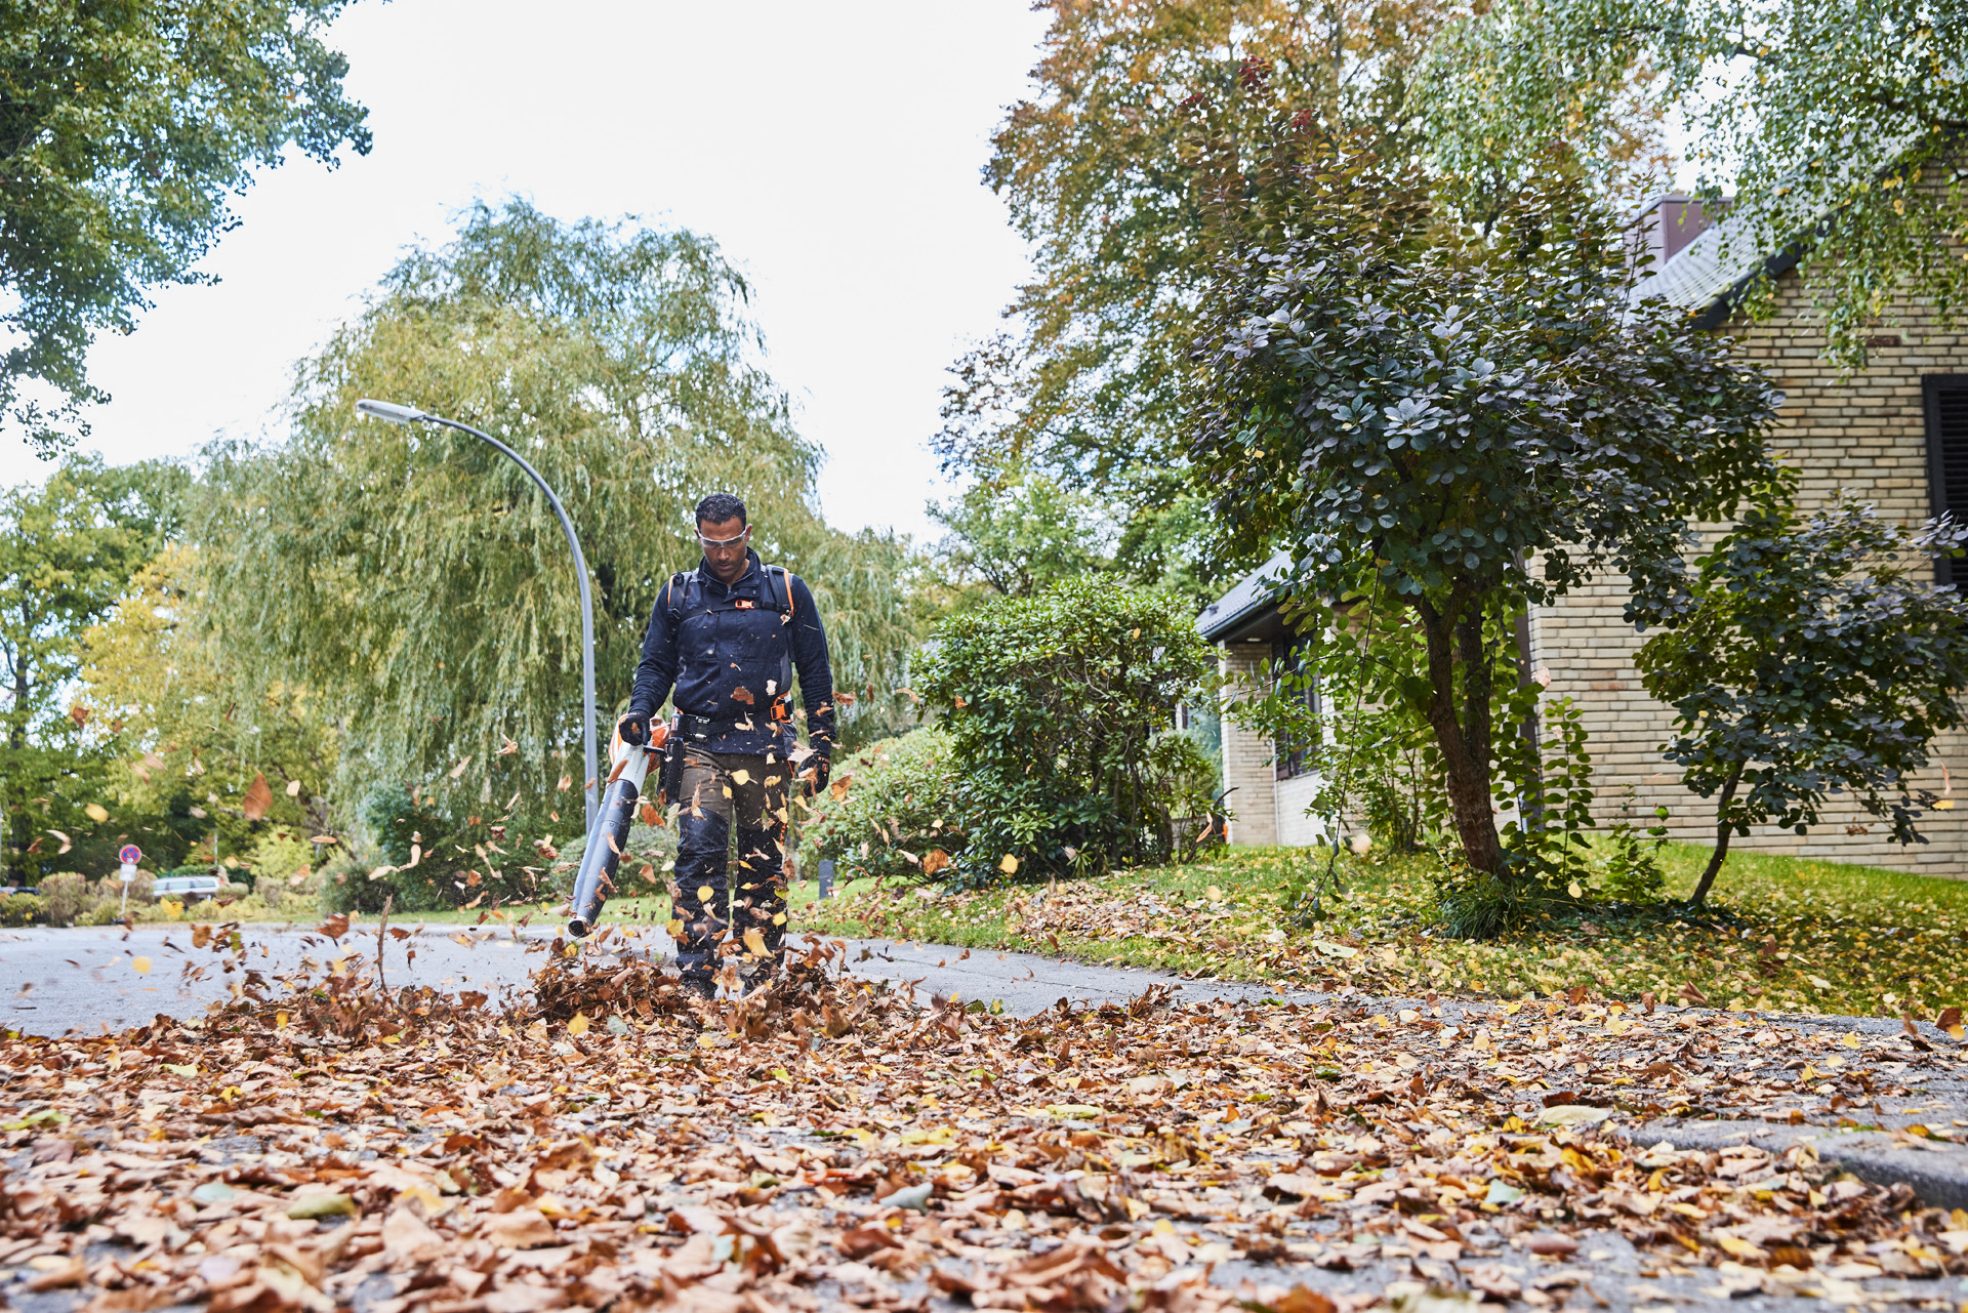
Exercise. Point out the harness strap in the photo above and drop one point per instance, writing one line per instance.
(785, 605)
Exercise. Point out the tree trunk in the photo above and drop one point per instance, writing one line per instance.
(1464, 739)
(1722, 831)
(1531, 805)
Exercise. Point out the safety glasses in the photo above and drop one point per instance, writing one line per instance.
(722, 544)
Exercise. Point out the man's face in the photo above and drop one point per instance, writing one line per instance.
(724, 543)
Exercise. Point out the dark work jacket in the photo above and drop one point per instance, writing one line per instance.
(729, 655)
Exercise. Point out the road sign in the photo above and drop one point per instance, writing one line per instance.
(129, 854)
(129, 872)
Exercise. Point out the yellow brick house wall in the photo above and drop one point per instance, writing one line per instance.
(1248, 768)
(1862, 432)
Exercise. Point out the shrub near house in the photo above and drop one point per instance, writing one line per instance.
(1052, 704)
(890, 811)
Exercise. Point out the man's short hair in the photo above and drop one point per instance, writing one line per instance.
(719, 507)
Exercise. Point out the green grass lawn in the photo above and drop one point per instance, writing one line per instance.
(1783, 934)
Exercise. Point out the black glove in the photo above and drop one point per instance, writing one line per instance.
(813, 776)
(634, 729)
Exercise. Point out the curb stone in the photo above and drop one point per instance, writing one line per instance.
(1937, 1176)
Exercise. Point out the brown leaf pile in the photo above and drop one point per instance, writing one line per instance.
(826, 1143)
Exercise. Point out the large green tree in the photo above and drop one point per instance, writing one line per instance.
(1835, 125)
(1454, 421)
(125, 128)
(418, 583)
(1156, 140)
(68, 548)
(209, 761)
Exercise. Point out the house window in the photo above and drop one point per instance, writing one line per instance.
(1288, 657)
(1947, 458)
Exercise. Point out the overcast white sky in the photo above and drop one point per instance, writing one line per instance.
(832, 149)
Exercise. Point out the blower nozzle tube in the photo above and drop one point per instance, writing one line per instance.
(607, 843)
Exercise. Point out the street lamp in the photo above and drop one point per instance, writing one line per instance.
(395, 414)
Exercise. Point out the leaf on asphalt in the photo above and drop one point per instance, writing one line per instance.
(1572, 1114)
(314, 1207)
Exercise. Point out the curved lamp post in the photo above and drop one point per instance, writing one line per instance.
(395, 414)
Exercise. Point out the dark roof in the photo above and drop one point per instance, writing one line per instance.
(1253, 598)
(1708, 275)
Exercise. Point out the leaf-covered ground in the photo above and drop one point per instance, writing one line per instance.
(609, 1143)
(1785, 935)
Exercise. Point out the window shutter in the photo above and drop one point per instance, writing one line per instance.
(1947, 458)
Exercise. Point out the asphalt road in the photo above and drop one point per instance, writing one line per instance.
(54, 981)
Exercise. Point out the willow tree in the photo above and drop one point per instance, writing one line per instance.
(416, 580)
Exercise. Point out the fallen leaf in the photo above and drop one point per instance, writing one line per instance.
(313, 1207)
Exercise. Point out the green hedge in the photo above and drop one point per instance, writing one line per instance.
(21, 909)
(1054, 703)
(893, 797)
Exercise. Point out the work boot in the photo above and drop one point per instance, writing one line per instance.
(698, 985)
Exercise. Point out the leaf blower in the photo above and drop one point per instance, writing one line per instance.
(610, 837)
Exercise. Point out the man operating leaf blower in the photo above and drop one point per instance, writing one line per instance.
(728, 638)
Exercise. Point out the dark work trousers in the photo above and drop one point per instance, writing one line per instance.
(722, 792)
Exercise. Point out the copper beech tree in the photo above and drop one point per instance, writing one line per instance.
(1462, 422)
